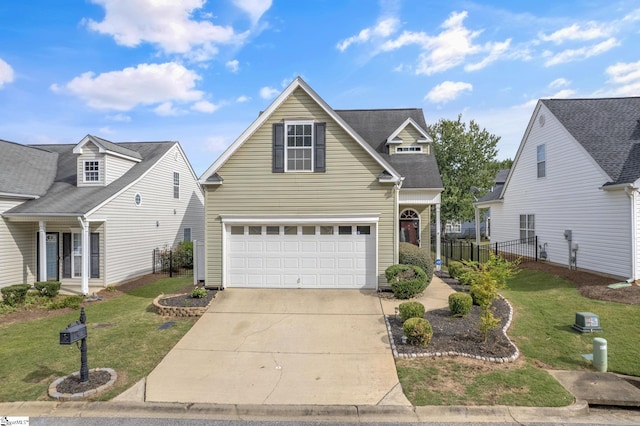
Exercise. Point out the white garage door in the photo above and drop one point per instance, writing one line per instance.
(301, 256)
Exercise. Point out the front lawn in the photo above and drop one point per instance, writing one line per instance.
(123, 334)
(545, 307)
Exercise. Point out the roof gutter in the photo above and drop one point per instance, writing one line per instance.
(20, 196)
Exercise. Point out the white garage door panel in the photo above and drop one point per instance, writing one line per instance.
(301, 261)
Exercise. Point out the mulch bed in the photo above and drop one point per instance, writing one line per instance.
(185, 300)
(72, 384)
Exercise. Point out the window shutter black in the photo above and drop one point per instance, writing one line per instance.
(95, 255)
(278, 148)
(320, 148)
(66, 255)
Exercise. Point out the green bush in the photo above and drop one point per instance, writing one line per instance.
(72, 302)
(14, 295)
(409, 254)
(460, 304)
(454, 268)
(199, 293)
(468, 273)
(406, 280)
(411, 310)
(418, 331)
(48, 288)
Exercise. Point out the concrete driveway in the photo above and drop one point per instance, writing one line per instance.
(307, 347)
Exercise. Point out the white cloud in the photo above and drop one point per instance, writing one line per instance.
(6, 73)
(166, 109)
(382, 29)
(559, 82)
(450, 48)
(242, 99)
(268, 92)
(217, 144)
(591, 31)
(204, 106)
(106, 131)
(626, 76)
(123, 118)
(571, 55)
(169, 25)
(232, 66)
(563, 94)
(254, 8)
(447, 91)
(146, 84)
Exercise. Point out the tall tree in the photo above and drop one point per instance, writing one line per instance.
(465, 156)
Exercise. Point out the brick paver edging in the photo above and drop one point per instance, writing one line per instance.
(53, 389)
(516, 351)
(178, 311)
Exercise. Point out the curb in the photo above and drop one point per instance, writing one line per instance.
(346, 413)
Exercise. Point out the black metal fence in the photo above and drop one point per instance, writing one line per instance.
(175, 262)
(524, 249)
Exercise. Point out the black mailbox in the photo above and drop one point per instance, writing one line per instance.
(73, 333)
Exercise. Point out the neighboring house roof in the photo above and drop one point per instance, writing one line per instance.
(494, 193)
(25, 171)
(376, 125)
(608, 129)
(65, 198)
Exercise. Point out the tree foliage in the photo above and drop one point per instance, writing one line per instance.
(466, 157)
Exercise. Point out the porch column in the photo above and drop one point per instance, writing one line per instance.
(85, 256)
(477, 211)
(438, 258)
(42, 250)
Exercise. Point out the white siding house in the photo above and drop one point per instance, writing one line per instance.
(576, 170)
(98, 212)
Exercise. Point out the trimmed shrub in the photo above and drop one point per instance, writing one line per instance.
(48, 288)
(418, 331)
(411, 310)
(72, 302)
(198, 293)
(14, 295)
(460, 304)
(406, 280)
(454, 269)
(408, 254)
(468, 273)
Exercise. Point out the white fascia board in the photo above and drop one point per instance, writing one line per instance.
(19, 196)
(262, 118)
(299, 219)
(426, 137)
(78, 149)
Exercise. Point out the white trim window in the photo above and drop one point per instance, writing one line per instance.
(299, 146)
(408, 149)
(527, 228)
(91, 170)
(176, 185)
(186, 235)
(541, 154)
(453, 227)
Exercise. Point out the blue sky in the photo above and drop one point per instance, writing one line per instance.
(200, 71)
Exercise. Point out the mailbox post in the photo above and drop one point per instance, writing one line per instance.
(78, 332)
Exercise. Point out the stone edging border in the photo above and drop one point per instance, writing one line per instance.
(179, 311)
(53, 389)
(511, 358)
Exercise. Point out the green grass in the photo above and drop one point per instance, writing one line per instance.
(122, 334)
(545, 307)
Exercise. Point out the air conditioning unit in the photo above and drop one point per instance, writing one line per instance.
(587, 322)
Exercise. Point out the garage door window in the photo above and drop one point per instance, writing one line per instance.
(237, 230)
(273, 230)
(255, 230)
(344, 230)
(290, 230)
(308, 230)
(326, 230)
(364, 230)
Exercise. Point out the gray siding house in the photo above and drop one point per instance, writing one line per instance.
(91, 214)
(575, 185)
(312, 197)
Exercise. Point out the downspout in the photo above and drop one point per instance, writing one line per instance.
(85, 256)
(396, 220)
(632, 193)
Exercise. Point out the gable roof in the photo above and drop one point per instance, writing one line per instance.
(608, 129)
(108, 147)
(494, 193)
(25, 171)
(65, 198)
(377, 125)
(262, 118)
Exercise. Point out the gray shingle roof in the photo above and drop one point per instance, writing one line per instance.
(118, 148)
(26, 170)
(608, 129)
(376, 125)
(494, 194)
(65, 198)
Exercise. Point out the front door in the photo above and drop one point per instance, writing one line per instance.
(409, 232)
(52, 256)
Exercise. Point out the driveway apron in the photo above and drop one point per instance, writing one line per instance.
(256, 346)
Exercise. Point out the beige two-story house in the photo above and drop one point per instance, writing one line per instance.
(312, 197)
(91, 214)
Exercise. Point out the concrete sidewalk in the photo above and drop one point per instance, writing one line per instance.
(436, 296)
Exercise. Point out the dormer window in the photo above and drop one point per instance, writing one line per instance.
(91, 171)
(403, 149)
